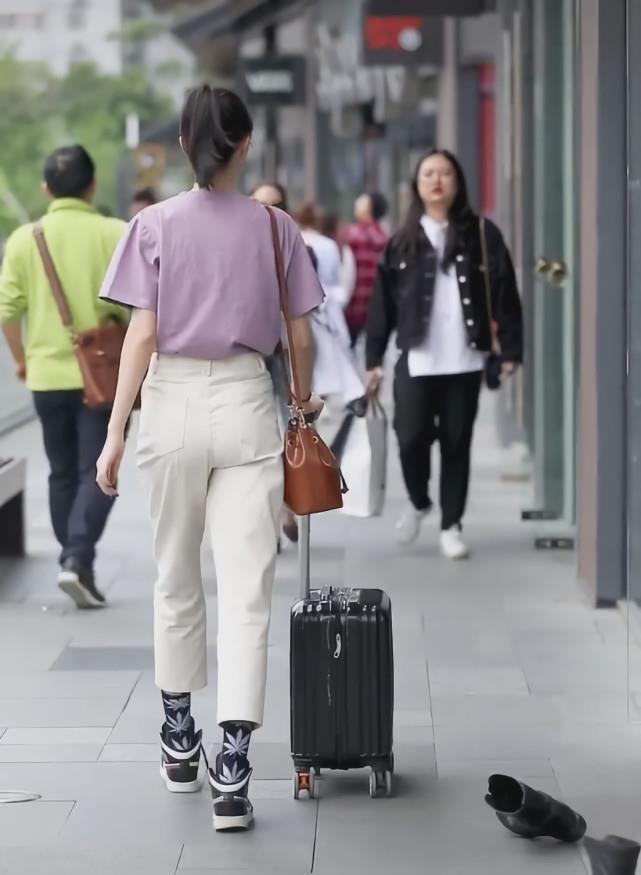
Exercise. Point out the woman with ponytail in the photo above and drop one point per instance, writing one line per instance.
(199, 272)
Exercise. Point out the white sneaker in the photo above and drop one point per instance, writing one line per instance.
(409, 525)
(452, 544)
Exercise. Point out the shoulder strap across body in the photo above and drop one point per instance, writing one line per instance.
(53, 278)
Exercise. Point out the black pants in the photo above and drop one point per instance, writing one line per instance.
(431, 408)
(354, 334)
(73, 437)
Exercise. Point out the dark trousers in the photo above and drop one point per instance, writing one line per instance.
(440, 408)
(73, 437)
(354, 334)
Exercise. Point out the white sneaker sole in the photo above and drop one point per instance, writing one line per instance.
(180, 786)
(242, 822)
(69, 583)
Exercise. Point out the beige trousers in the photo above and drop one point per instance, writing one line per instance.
(210, 452)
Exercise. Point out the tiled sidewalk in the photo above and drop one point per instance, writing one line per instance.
(501, 665)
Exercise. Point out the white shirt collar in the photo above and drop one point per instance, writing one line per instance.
(435, 231)
(428, 222)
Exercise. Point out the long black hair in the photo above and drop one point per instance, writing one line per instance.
(213, 124)
(461, 215)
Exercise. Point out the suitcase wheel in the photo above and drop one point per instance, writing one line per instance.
(380, 783)
(305, 782)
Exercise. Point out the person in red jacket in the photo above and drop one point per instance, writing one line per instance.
(367, 240)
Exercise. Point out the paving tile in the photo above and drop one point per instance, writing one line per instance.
(74, 735)
(100, 859)
(60, 712)
(283, 867)
(104, 659)
(130, 753)
(67, 685)
(49, 753)
(525, 770)
(412, 718)
(31, 823)
(282, 839)
(487, 741)
(512, 710)
(472, 681)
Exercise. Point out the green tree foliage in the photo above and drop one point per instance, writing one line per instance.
(39, 112)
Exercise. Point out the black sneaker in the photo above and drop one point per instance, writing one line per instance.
(229, 787)
(78, 583)
(179, 768)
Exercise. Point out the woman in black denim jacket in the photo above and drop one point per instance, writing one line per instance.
(431, 289)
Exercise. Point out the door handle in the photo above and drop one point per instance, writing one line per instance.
(542, 265)
(557, 273)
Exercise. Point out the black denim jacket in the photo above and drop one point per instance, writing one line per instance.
(404, 294)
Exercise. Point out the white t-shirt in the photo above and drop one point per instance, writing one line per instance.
(445, 349)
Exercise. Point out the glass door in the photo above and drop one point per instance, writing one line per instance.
(554, 304)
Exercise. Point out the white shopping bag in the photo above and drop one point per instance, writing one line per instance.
(335, 370)
(364, 463)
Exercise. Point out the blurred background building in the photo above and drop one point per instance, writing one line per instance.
(538, 99)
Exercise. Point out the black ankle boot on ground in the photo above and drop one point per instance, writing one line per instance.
(612, 855)
(78, 583)
(180, 761)
(531, 814)
(229, 788)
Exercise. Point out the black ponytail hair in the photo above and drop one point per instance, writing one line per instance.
(461, 215)
(213, 124)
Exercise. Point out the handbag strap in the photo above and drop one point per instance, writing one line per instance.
(488, 290)
(294, 395)
(54, 279)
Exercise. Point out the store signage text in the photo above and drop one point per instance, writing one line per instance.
(277, 81)
(343, 81)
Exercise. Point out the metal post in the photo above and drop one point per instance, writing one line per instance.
(448, 88)
(272, 158)
(303, 556)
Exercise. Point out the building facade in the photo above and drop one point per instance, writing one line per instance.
(67, 32)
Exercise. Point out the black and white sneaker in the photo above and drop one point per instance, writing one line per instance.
(78, 583)
(229, 788)
(179, 768)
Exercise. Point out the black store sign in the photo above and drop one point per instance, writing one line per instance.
(273, 81)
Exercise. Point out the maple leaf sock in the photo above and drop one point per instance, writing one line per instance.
(178, 730)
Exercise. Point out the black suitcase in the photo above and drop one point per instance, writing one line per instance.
(341, 681)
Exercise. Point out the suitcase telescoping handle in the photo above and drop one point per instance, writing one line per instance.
(303, 556)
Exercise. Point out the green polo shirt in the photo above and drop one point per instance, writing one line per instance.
(81, 242)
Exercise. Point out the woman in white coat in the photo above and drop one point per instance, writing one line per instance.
(335, 370)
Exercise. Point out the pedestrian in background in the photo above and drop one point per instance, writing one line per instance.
(199, 272)
(144, 197)
(431, 290)
(81, 242)
(367, 239)
(335, 371)
(329, 225)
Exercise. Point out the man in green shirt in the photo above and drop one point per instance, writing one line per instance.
(81, 242)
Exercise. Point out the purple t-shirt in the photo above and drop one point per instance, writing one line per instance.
(204, 263)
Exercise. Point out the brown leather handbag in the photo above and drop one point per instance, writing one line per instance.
(97, 349)
(313, 480)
